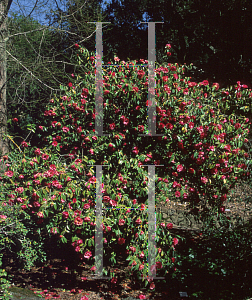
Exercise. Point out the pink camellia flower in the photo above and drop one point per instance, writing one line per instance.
(65, 214)
(162, 224)
(20, 190)
(84, 298)
(65, 129)
(173, 259)
(237, 125)
(175, 241)
(204, 82)
(142, 296)
(8, 173)
(40, 214)
(70, 84)
(159, 265)
(15, 120)
(86, 206)
(77, 249)
(79, 242)
(112, 126)
(133, 249)
(135, 150)
(121, 241)
(134, 201)
(169, 225)
(87, 219)
(3, 217)
(45, 156)
(121, 222)
(222, 209)
(216, 85)
(177, 194)
(142, 254)
(24, 144)
(37, 151)
(180, 168)
(140, 74)
(106, 92)
(54, 143)
(139, 221)
(88, 254)
(114, 280)
(78, 221)
(204, 180)
(141, 128)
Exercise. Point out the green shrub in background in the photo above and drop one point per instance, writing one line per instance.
(18, 239)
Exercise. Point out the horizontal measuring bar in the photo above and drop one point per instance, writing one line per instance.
(125, 65)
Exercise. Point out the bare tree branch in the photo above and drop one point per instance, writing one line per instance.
(31, 72)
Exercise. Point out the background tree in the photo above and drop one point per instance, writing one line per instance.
(39, 58)
(4, 8)
(215, 36)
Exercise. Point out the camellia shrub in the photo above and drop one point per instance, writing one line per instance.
(55, 182)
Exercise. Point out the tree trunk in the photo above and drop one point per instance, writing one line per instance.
(4, 147)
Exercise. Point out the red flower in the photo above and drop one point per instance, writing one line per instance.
(140, 74)
(70, 84)
(175, 241)
(216, 85)
(77, 46)
(180, 168)
(8, 173)
(169, 225)
(138, 221)
(65, 214)
(112, 126)
(177, 194)
(106, 92)
(87, 255)
(24, 144)
(54, 143)
(121, 241)
(121, 222)
(114, 280)
(65, 129)
(205, 82)
(37, 151)
(45, 156)
(15, 120)
(78, 221)
(140, 128)
(237, 125)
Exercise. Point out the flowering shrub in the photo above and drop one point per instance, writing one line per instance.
(200, 150)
